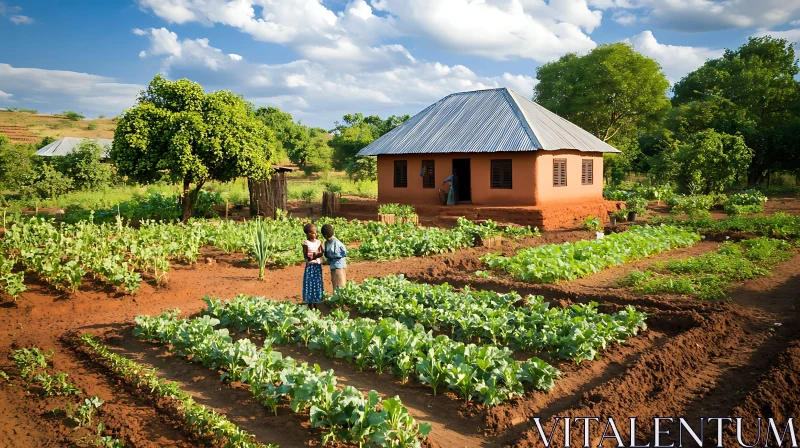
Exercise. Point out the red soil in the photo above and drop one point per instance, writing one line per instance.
(697, 359)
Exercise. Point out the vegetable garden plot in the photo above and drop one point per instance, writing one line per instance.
(64, 254)
(569, 261)
(343, 413)
(578, 332)
(202, 422)
(709, 276)
(487, 372)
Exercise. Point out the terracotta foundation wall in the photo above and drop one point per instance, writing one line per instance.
(573, 192)
(521, 193)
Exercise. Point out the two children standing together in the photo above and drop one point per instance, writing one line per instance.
(313, 251)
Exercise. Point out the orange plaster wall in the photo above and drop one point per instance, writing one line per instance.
(521, 193)
(532, 178)
(573, 192)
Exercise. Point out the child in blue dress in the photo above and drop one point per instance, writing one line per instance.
(312, 277)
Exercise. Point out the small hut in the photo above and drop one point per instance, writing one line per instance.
(269, 195)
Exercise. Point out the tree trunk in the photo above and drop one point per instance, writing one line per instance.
(187, 201)
(196, 195)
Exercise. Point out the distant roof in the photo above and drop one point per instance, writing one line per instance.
(67, 145)
(491, 120)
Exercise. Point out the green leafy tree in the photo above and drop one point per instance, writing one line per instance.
(711, 162)
(613, 92)
(349, 136)
(178, 130)
(83, 165)
(758, 83)
(282, 126)
(362, 168)
(72, 115)
(46, 182)
(355, 132)
(45, 141)
(317, 153)
(16, 164)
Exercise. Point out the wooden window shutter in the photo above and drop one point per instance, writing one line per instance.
(559, 172)
(587, 171)
(501, 174)
(428, 174)
(400, 173)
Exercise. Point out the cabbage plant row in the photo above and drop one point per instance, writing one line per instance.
(64, 254)
(473, 371)
(577, 332)
(204, 422)
(569, 261)
(343, 413)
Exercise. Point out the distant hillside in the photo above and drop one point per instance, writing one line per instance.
(21, 127)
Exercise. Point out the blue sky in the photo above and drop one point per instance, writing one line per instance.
(320, 59)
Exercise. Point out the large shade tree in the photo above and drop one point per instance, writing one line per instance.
(177, 130)
(353, 133)
(612, 92)
(760, 96)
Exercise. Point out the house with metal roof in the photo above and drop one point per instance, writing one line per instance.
(504, 149)
(67, 145)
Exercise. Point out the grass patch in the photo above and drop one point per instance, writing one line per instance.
(710, 276)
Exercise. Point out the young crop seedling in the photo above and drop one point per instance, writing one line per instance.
(30, 361)
(55, 384)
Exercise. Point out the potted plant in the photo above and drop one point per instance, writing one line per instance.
(407, 214)
(387, 213)
(618, 216)
(595, 225)
(637, 206)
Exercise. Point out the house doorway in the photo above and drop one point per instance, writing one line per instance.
(461, 168)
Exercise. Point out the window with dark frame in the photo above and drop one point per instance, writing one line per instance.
(428, 174)
(400, 173)
(559, 172)
(501, 174)
(587, 171)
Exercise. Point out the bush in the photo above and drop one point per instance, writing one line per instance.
(72, 115)
(91, 127)
(205, 203)
(16, 164)
(695, 205)
(637, 205)
(308, 195)
(84, 167)
(46, 182)
(712, 162)
(613, 194)
(746, 202)
(362, 168)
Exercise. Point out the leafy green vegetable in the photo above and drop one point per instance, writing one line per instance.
(569, 261)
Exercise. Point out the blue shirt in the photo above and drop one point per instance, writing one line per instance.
(336, 253)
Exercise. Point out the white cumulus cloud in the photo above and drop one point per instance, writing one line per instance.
(496, 29)
(18, 19)
(707, 15)
(235, 57)
(790, 35)
(676, 60)
(5, 96)
(320, 92)
(57, 90)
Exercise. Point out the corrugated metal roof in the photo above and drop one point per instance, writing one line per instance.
(67, 144)
(494, 120)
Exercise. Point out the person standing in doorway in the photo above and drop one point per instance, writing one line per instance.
(452, 196)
